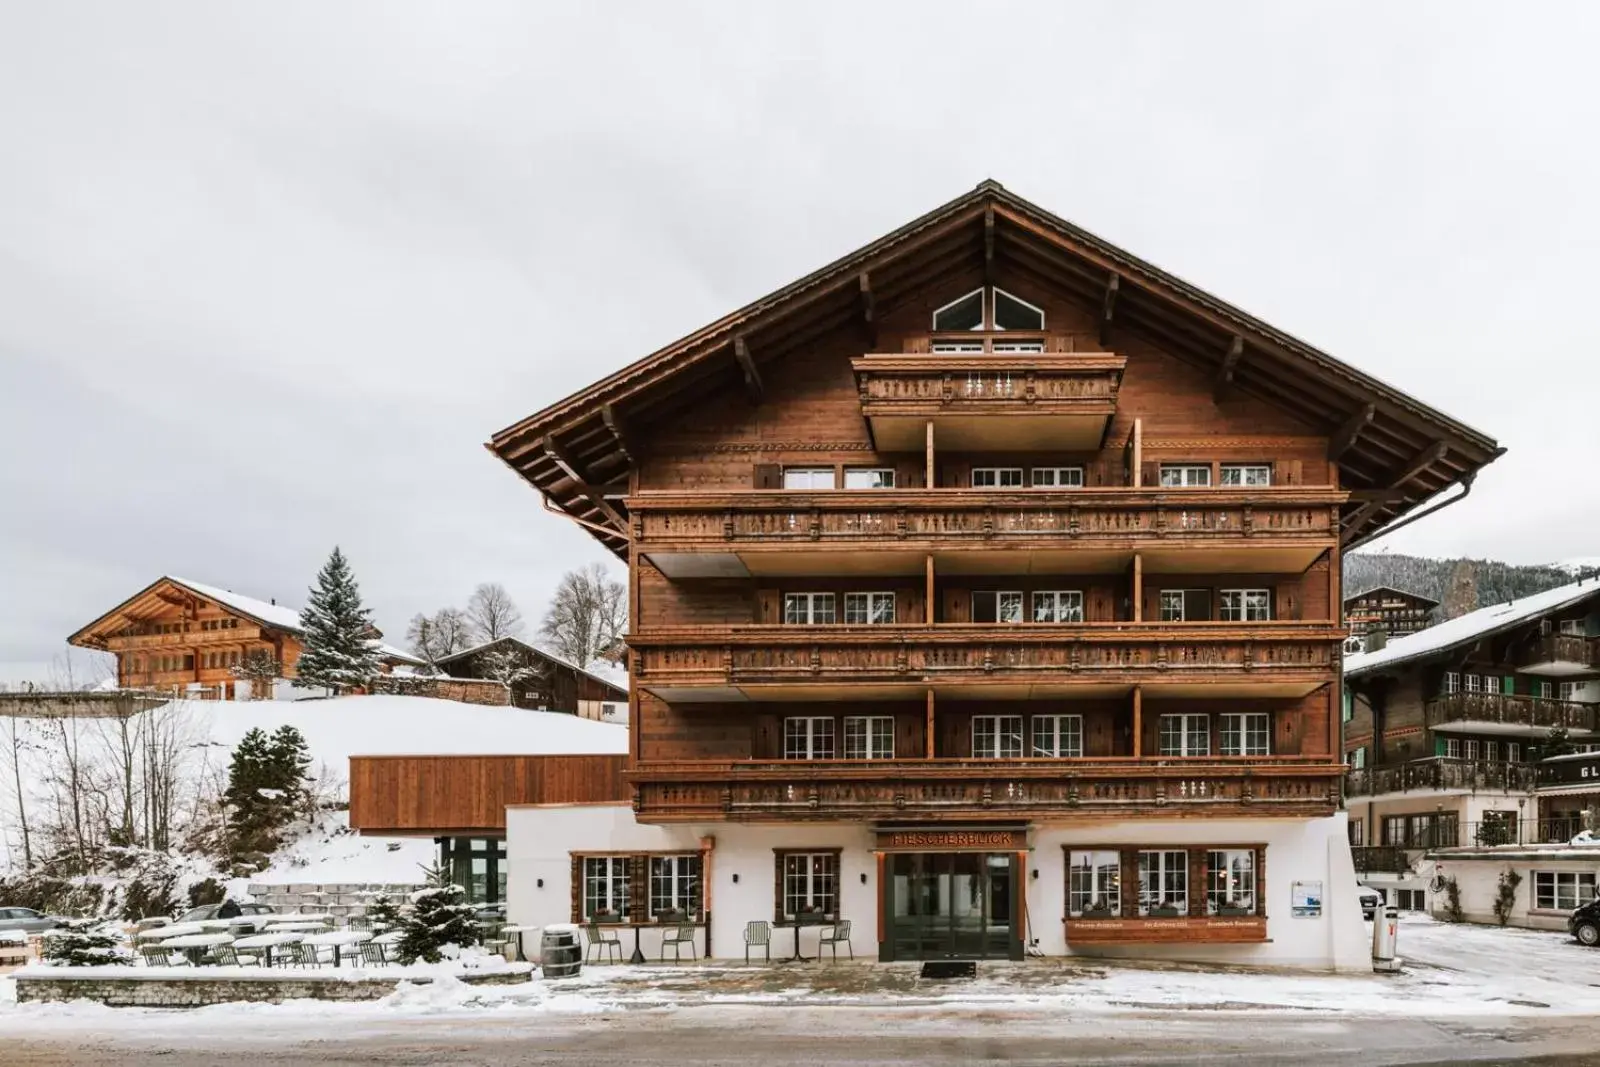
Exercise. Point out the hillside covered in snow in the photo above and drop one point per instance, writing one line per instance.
(1460, 585)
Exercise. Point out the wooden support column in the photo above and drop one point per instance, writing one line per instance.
(1020, 910)
(927, 749)
(1138, 587)
(1138, 453)
(1138, 722)
(927, 599)
(883, 891)
(930, 481)
(708, 845)
(1336, 711)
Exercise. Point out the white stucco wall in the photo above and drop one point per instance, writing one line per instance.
(539, 841)
(1479, 881)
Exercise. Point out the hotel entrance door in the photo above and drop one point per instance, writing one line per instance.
(943, 905)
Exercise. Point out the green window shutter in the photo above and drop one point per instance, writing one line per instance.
(1349, 708)
(1508, 685)
(1438, 746)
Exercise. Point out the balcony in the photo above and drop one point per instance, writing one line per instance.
(732, 663)
(1517, 716)
(187, 639)
(990, 400)
(1379, 859)
(947, 789)
(1441, 775)
(1558, 655)
(1280, 529)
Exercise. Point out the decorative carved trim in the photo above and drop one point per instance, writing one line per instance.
(1191, 443)
(764, 446)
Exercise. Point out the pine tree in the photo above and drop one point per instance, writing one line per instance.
(288, 761)
(440, 921)
(250, 803)
(85, 943)
(339, 653)
(384, 912)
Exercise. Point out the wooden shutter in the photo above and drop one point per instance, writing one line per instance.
(957, 605)
(908, 475)
(768, 606)
(1197, 605)
(1150, 474)
(958, 475)
(908, 606)
(1285, 605)
(768, 476)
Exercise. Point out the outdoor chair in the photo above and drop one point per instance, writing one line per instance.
(373, 954)
(303, 955)
(834, 936)
(360, 923)
(156, 956)
(758, 932)
(601, 940)
(227, 956)
(683, 935)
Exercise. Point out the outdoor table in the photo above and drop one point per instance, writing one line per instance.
(194, 945)
(519, 931)
(305, 925)
(156, 933)
(797, 923)
(337, 938)
(267, 942)
(228, 924)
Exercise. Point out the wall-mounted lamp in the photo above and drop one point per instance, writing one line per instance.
(540, 883)
(863, 877)
(1036, 874)
(736, 879)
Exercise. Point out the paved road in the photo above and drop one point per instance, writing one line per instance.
(832, 1037)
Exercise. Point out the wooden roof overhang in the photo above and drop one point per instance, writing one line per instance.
(1395, 451)
(155, 599)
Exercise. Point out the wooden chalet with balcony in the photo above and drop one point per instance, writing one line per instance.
(1394, 611)
(984, 589)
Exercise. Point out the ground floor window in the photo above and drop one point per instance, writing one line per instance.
(1411, 899)
(808, 884)
(477, 865)
(1094, 883)
(1562, 890)
(638, 887)
(1231, 881)
(606, 889)
(1212, 880)
(1163, 882)
(674, 887)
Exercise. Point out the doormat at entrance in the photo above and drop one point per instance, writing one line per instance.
(950, 969)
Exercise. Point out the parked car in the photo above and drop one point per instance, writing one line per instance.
(1371, 901)
(27, 920)
(1585, 923)
(246, 912)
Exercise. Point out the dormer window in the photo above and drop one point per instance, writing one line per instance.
(990, 308)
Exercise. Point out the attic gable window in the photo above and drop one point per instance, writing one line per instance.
(988, 309)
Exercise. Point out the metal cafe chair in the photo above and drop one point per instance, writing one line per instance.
(836, 935)
(758, 932)
(684, 935)
(599, 942)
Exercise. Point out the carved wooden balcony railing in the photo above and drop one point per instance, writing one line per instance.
(948, 383)
(190, 639)
(741, 655)
(1559, 654)
(1441, 774)
(1533, 712)
(929, 518)
(956, 789)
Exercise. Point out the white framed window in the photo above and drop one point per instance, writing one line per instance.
(1357, 761)
(1246, 474)
(1568, 690)
(957, 346)
(1544, 690)
(1058, 605)
(807, 609)
(1185, 605)
(675, 885)
(1094, 884)
(810, 883)
(1513, 752)
(808, 477)
(1491, 683)
(1452, 748)
(1246, 734)
(1572, 626)
(1184, 475)
(965, 312)
(1562, 890)
(997, 606)
(1058, 736)
(996, 736)
(869, 478)
(1491, 751)
(1163, 882)
(1185, 735)
(1015, 313)
(997, 477)
(605, 888)
(1452, 682)
(1230, 880)
(808, 737)
(1057, 477)
(869, 737)
(1472, 749)
(1472, 683)
(869, 609)
(1246, 605)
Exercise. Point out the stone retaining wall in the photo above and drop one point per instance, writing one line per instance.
(199, 990)
(461, 690)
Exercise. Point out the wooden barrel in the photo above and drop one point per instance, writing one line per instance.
(560, 951)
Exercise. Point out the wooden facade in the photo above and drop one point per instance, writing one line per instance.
(183, 637)
(881, 569)
(467, 796)
(1394, 611)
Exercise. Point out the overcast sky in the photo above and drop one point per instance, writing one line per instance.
(270, 274)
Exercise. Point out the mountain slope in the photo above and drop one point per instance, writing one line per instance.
(1460, 585)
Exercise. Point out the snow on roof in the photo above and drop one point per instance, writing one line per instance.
(593, 671)
(1390, 589)
(277, 615)
(1470, 627)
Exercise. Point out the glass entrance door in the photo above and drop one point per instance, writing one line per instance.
(950, 905)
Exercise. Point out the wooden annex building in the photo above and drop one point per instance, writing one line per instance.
(985, 595)
(179, 636)
(545, 680)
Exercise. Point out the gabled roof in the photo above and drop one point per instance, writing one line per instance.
(1428, 600)
(538, 650)
(1470, 628)
(576, 451)
(264, 613)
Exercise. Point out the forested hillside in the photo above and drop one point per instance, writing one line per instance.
(1460, 585)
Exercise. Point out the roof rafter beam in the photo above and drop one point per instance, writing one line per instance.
(869, 309)
(619, 431)
(1421, 462)
(1349, 430)
(988, 245)
(1359, 519)
(1108, 307)
(747, 365)
(580, 482)
(1230, 363)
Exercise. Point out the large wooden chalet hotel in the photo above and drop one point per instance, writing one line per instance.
(985, 598)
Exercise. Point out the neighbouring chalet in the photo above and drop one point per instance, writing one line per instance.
(985, 596)
(184, 637)
(1394, 611)
(1445, 729)
(547, 682)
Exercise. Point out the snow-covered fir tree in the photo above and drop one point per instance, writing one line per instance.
(339, 652)
(440, 922)
(85, 943)
(384, 912)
